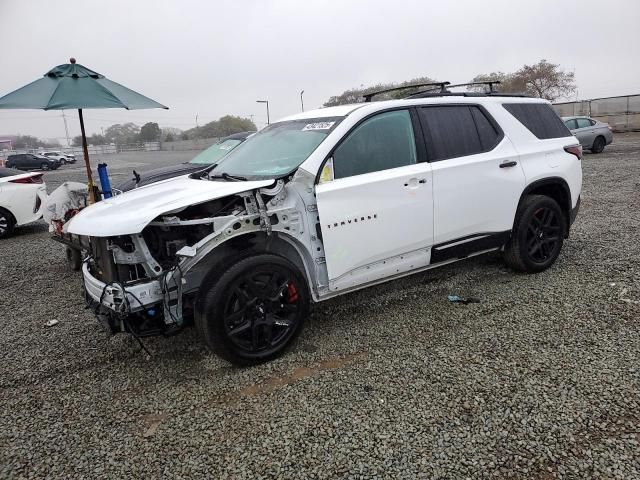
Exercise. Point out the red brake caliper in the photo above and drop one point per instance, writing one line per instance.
(292, 293)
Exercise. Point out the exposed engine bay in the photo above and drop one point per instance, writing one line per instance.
(147, 283)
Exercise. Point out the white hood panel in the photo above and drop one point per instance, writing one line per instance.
(130, 212)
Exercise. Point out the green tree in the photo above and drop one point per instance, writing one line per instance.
(184, 136)
(354, 95)
(222, 127)
(27, 141)
(122, 133)
(150, 132)
(170, 131)
(95, 139)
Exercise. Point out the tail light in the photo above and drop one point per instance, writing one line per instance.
(32, 179)
(574, 150)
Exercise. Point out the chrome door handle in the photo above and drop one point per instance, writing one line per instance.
(512, 163)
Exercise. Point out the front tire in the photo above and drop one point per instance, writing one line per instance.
(538, 234)
(44, 166)
(255, 310)
(7, 223)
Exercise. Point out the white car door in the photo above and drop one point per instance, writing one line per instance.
(477, 180)
(376, 208)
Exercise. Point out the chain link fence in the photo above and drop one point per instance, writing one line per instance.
(621, 113)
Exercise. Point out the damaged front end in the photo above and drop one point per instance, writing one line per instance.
(147, 283)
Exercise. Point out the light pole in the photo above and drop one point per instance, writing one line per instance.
(267, 102)
(301, 99)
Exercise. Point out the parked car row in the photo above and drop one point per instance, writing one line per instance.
(32, 161)
(39, 161)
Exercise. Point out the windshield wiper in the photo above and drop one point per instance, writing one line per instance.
(226, 176)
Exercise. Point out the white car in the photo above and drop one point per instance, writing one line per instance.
(62, 158)
(22, 196)
(326, 202)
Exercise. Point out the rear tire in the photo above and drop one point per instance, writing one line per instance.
(7, 223)
(598, 145)
(254, 311)
(538, 234)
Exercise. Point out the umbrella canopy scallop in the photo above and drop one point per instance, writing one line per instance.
(74, 86)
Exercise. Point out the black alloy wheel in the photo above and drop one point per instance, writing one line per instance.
(543, 235)
(537, 236)
(44, 166)
(255, 310)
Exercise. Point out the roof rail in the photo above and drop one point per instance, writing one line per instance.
(491, 83)
(441, 85)
(432, 91)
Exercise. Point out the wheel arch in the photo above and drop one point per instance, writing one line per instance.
(248, 244)
(556, 188)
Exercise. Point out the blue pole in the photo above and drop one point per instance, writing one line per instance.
(104, 180)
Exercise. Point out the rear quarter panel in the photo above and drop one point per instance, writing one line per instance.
(542, 159)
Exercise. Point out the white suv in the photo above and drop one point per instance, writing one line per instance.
(326, 202)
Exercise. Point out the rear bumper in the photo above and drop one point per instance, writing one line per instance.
(574, 211)
(112, 296)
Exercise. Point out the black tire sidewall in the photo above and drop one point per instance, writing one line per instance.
(10, 223)
(598, 145)
(211, 317)
(535, 203)
(44, 166)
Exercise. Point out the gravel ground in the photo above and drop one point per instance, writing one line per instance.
(540, 380)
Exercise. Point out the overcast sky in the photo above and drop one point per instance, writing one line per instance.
(213, 58)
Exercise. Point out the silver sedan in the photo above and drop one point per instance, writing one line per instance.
(592, 134)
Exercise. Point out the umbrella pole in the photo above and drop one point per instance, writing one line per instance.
(92, 192)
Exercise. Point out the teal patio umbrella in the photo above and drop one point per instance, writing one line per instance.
(73, 86)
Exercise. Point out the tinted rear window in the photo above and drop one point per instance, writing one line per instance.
(539, 118)
(456, 131)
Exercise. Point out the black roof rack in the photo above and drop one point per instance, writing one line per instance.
(441, 85)
(435, 92)
(490, 83)
(445, 91)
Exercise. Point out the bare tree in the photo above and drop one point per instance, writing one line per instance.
(547, 80)
(543, 79)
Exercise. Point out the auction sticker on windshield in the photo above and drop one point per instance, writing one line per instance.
(318, 126)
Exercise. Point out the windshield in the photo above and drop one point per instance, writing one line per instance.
(277, 149)
(215, 152)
